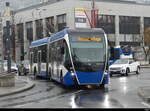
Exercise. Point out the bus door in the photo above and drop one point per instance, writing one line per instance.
(39, 62)
(31, 62)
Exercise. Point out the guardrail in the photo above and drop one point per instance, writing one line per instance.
(7, 79)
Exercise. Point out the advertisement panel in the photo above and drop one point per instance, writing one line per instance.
(80, 18)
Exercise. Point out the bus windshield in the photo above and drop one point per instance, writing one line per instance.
(87, 48)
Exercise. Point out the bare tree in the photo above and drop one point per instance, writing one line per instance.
(147, 42)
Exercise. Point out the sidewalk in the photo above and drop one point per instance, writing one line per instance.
(145, 66)
(21, 84)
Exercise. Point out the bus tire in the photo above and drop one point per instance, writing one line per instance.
(50, 75)
(35, 73)
(61, 77)
(102, 86)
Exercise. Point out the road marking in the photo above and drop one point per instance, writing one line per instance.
(145, 104)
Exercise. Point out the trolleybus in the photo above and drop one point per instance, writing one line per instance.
(77, 57)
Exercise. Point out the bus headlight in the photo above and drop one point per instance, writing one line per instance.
(72, 74)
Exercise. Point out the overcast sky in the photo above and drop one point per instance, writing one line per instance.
(17, 4)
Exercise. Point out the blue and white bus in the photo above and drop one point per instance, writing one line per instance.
(38, 57)
(78, 57)
(119, 52)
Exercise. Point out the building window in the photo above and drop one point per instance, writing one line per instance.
(21, 40)
(50, 26)
(146, 22)
(29, 30)
(61, 21)
(39, 29)
(107, 22)
(129, 25)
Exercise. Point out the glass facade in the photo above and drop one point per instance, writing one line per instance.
(50, 26)
(107, 22)
(20, 31)
(61, 22)
(39, 29)
(129, 25)
(29, 30)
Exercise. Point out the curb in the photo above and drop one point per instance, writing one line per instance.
(142, 95)
(145, 66)
(26, 87)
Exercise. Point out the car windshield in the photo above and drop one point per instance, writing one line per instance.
(121, 61)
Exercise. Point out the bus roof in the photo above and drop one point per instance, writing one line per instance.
(59, 35)
(62, 33)
(39, 42)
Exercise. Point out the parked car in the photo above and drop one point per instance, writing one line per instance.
(124, 67)
(13, 66)
(23, 67)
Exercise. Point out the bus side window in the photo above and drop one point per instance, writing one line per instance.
(62, 50)
(44, 53)
(67, 59)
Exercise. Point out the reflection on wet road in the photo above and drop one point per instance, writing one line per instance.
(120, 93)
(94, 99)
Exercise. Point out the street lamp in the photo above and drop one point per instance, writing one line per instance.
(7, 18)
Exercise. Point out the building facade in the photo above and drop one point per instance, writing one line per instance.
(123, 22)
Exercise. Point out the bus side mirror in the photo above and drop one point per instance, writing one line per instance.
(62, 50)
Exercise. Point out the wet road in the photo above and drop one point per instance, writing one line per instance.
(120, 93)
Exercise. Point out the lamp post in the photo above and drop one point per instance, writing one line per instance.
(7, 18)
(8, 46)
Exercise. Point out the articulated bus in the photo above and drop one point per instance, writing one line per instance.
(76, 57)
(38, 57)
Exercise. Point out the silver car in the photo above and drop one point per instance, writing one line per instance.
(13, 66)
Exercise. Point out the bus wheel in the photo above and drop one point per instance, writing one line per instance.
(35, 73)
(61, 77)
(102, 85)
(50, 75)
